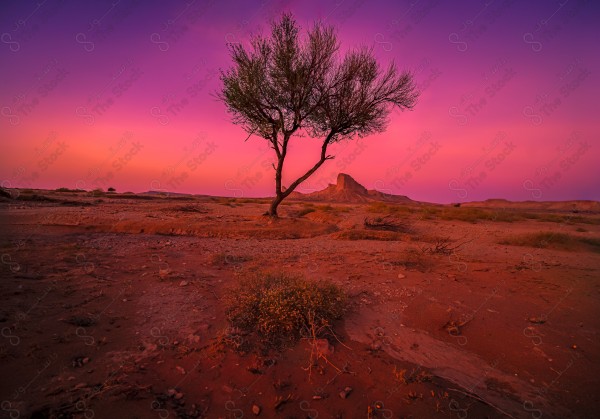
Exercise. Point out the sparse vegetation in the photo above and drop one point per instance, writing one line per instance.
(370, 235)
(386, 208)
(552, 240)
(224, 259)
(68, 190)
(443, 245)
(189, 208)
(132, 195)
(337, 209)
(281, 308)
(305, 211)
(387, 223)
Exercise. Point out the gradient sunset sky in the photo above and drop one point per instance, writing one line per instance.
(120, 94)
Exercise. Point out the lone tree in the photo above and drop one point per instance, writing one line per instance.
(285, 83)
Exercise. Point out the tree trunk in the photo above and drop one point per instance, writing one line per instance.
(280, 194)
(274, 204)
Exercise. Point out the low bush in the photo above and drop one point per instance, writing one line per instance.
(281, 308)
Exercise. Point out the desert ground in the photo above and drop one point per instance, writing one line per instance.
(112, 306)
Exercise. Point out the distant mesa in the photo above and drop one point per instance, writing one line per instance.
(348, 190)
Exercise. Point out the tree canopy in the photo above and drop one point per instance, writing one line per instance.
(284, 83)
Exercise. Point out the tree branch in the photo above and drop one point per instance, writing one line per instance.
(324, 157)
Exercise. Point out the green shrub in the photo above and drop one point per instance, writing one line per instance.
(280, 308)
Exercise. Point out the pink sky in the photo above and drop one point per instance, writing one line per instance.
(122, 96)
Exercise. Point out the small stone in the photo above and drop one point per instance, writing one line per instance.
(317, 397)
(346, 392)
(574, 346)
(80, 385)
(178, 396)
(401, 276)
(537, 320)
(256, 409)
(171, 392)
(183, 283)
(85, 360)
(180, 369)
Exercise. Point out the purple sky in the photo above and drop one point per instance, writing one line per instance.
(100, 93)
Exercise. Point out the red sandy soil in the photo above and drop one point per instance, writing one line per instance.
(112, 307)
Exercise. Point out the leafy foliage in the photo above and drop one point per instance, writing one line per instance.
(286, 83)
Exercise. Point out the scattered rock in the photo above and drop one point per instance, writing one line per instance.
(254, 370)
(345, 392)
(178, 396)
(79, 361)
(537, 320)
(401, 276)
(171, 392)
(256, 409)
(180, 369)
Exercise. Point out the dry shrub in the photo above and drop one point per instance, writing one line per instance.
(370, 235)
(387, 223)
(280, 308)
(444, 245)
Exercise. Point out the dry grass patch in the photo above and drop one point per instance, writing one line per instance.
(280, 309)
(224, 259)
(551, 240)
(387, 223)
(330, 209)
(370, 235)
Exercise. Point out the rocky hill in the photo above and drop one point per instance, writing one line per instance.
(348, 190)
